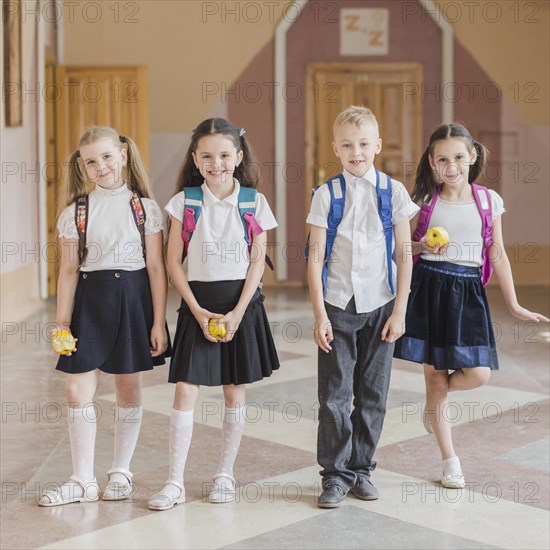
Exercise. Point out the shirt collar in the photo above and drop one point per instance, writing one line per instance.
(210, 199)
(122, 190)
(369, 176)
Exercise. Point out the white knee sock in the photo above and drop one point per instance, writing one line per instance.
(181, 432)
(451, 466)
(232, 433)
(82, 430)
(127, 426)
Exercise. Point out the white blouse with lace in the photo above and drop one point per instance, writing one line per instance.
(113, 239)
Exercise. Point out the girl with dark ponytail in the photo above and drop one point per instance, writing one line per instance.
(222, 335)
(448, 323)
(111, 296)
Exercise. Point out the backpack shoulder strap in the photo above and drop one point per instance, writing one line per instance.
(138, 211)
(81, 221)
(191, 212)
(425, 215)
(337, 189)
(306, 248)
(384, 197)
(247, 212)
(483, 202)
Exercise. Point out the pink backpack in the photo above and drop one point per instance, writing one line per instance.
(483, 202)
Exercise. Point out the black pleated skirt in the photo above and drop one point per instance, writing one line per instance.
(112, 319)
(448, 323)
(248, 357)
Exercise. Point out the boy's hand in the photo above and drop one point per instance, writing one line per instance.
(394, 328)
(322, 333)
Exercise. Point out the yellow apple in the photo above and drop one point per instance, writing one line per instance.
(216, 330)
(437, 235)
(63, 342)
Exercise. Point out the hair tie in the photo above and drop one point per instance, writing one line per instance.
(122, 139)
(241, 131)
(78, 152)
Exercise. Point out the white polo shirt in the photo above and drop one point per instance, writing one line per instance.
(217, 249)
(113, 240)
(359, 263)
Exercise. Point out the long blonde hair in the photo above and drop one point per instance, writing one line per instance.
(76, 184)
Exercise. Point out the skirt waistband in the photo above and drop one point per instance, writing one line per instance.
(109, 274)
(449, 268)
(217, 295)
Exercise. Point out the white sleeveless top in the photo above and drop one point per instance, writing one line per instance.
(463, 223)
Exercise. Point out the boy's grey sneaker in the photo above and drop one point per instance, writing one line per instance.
(332, 496)
(364, 489)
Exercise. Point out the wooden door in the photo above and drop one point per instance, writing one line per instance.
(332, 87)
(80, 97)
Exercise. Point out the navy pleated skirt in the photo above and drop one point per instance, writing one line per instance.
(112, 319)
(448, 323)
(248, 357)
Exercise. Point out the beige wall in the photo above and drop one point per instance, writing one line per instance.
(191, 48)
(19, 266)
(510, 41)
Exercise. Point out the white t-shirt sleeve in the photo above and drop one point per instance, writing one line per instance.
(154, 219)
(176, 206)
(320, 206)
(264, 215)
(402, 205)
(66, 225)
(497, 204)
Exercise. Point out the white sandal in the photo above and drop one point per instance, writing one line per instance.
(453, 481)
(167, 501)
(223, 490)
(55, 496)
(116, 490)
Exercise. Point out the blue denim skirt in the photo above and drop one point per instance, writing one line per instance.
(112, 319)
(448, 323)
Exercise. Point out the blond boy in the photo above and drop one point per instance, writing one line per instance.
(357, 316)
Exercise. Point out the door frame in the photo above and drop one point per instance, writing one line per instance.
(359, 68)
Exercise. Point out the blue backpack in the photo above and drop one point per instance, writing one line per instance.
(247, 211)
(337, 188)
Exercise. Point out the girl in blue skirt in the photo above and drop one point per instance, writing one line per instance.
(112, 296)
(448, 324)
(218, 228)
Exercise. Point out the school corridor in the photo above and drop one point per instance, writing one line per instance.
(280, 71)
(500, 431)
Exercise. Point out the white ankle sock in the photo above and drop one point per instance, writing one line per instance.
(232, 433)
(451, 466)
(82, 431)
(181, 432)
(127, 426)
